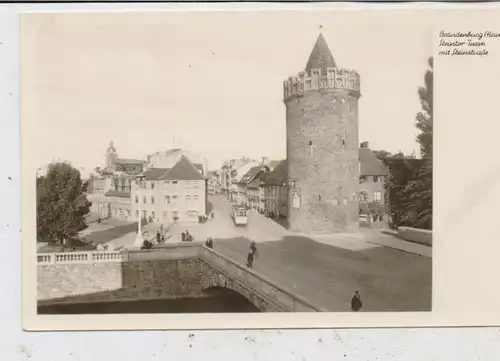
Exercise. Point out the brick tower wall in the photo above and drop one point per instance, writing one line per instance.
(323, 151)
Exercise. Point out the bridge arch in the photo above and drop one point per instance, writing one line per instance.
(231, 300)
(216, 280)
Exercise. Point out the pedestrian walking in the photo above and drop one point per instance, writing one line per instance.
(183, 237)
(250, 259)
(158, 237)
(253, 249)
(356, 302)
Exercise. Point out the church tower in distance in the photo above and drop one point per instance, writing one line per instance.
(111, 156)
(323, 145)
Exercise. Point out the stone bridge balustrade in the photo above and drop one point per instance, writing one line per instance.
(185, 269)
(80, 257)
(262, 292)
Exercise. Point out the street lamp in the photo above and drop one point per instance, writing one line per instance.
(139, 241)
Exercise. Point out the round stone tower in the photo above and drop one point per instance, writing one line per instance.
(322, 145)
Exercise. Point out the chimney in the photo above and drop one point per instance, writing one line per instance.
(265, 161)
(364, 145)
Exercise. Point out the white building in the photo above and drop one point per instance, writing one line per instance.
(177, 193)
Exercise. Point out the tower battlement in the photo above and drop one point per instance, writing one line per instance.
(326, 80)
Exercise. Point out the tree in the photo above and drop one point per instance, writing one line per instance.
(424, 120)
(61, 204)
(418, 192)
(382, 154)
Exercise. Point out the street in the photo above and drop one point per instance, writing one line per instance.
(325, 270)
(327, 274)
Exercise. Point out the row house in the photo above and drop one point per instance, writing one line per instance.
(373, 176)
(170, 194)
(250, 186)
(230, 173)
(275, 191)
(239, 182)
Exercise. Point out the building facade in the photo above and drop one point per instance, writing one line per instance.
(373, 177)
(250, 186)
(166, 195)
(119, 205)
(275, 191)
(237, 190)
(322, 145)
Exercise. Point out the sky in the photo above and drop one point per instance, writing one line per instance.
(208, 82)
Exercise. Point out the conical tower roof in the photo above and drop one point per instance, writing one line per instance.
(321, 57)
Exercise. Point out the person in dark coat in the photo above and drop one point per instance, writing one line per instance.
(183, 237)
(209, 243)
(162, 238)
(356, 303)
(158, 237)
(253, 249)
(250, 259)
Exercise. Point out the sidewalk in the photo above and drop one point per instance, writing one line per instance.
(367, 238)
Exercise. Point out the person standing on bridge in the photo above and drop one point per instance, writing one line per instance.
(356, 303)
(250, 259)
(253, 249)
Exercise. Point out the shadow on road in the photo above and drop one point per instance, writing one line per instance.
(99, 237)
(283, 222)
(388, 279)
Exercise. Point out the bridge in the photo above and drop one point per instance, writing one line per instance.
(174, 270)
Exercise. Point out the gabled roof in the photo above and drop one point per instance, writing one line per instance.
(278, 175)
(251, 174)
(155, 173)
(321, 56)
(370, 164)
(273, 164)
(183, 170)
